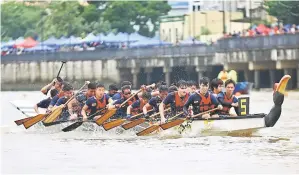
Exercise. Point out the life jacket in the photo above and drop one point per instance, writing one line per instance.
(61, 94)
(225, 109)
(101, 105)
(205, 103)
(179, 103)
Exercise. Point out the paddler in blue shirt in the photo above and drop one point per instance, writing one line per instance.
(154, 102)
(202, 101)
(96, 103)
(228, 100)
(216, 86)
(68, 92)
(137, 106)
(176, 100)
(46, 102)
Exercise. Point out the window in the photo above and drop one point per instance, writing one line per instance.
(198, 8)
(194, 8)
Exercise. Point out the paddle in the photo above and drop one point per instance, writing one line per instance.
(139, 121)
(180, 120)
(22, 121)
(51, 116)
(111, 112)
(57, 111)
(80, 122)
(153, 127)
(109, 125)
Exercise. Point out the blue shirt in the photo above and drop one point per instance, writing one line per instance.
(93, 105)
(136, 104)
(116, 96)
(54, 100)
(155, 102)
(220, 98)
(61, 100)
(195, 100)
(170, 100)
(44, 103)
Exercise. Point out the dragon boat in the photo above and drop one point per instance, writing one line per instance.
(243, 125)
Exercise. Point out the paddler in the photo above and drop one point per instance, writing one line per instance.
(137, 106)
(46, 102)
(125, 94)
(75, 106)
(216, 86)
(176, 100)
(154, 102)
(55, 84)
(65, 87)
(68, 92)
(112, 90)
(96, 103)
(202, 101)
(192, 87)
(118, 95)
(228, 100)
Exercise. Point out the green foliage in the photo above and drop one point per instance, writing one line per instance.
(66, 18)
(286, 11)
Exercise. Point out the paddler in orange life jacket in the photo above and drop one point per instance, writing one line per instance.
(96, 103)
(228, 100)
(55, 84)
(202, 101)
(137, 106)
(75, 106)
(68, 92)
(176, 100)
(125, 94)
(216, 86)
(154, 102)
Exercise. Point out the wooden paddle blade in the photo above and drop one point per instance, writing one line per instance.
(54, 115)
(21, 121)
(72, 126)
(105, 116)
(109, 125)
(172, 124)
(27, 124)
(148, 130)
(133, 123)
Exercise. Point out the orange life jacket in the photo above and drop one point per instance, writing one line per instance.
(225, 109)
(179, 103)
(101, 105)
(61, 94)
(205, 103)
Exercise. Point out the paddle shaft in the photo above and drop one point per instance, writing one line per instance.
(63, 62)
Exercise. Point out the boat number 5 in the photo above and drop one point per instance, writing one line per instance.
(244, 106)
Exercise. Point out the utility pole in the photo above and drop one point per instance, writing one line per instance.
(223, 12)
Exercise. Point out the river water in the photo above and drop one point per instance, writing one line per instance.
(44, 150)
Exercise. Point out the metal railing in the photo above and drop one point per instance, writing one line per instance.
(258, 42)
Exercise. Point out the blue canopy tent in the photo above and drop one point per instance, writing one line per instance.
(91, 38)
(52, 41)
(150, 43)
(39, 48)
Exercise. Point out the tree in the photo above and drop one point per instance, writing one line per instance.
(286, 11)
(127, 15)
(18, 20)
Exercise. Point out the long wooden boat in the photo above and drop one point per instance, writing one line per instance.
(243, 125)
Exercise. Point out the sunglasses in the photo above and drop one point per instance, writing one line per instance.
(128, 93)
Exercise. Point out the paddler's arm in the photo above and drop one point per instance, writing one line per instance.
(220, 98)
(46, 88)
(187, 104)
(216, 102)
(83, 112)
(70, 106)
(129, 108)
(144, 109)
(161, 110)
(36, 109)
